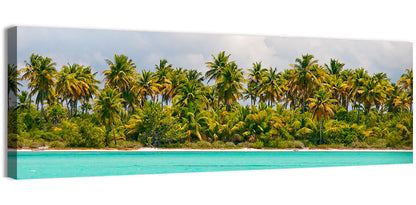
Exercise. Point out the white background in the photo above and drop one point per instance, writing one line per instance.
(355, 19)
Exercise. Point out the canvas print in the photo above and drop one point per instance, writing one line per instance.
(86, 102)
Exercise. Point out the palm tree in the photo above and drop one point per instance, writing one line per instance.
(108, 108)
(163, 71)
(360, 76)
(230, 84)
(145, 86)
(322, 108)
(23, 100)
(12, 81)
(121, 76)
(385, 86)
(291, 91)
(216, 66)
(76, 83)
(89, 87)
(193, 124)
(68, 87)
(402, 102)
(40, 72)
(334, 67)
(304, 76)
(406, 82)
(270, 87)
(257, 74)
(347, 90)
(176, 78)
(190, 96)
(371, 93)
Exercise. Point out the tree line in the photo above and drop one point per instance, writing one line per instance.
(306, 105)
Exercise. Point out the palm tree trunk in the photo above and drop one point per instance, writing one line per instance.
(320, 133)
(303, 103)
(358, 110)
(228, 105)
(41, 114)
(381, 112)
(358, 114)
(30, 99)
(346, 108)
(366, 116)
(114, 134)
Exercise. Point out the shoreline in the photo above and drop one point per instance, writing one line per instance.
(208, 150)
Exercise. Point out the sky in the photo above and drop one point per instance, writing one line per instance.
(192, 50)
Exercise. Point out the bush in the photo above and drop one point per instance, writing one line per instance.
(203, 145)
(298, 144)
(57, 144)
(257, 145)
(157, 127)
(218, 144)
(359, 145)
(128, 144)
(243, 145)
(230, 145)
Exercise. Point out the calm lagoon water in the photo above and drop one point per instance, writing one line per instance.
(44, 164)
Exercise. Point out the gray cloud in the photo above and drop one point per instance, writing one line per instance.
(91, 47)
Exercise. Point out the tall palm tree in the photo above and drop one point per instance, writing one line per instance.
(145, 86)
(190, 96)
(322, 108)
(216, 66)
(176, 78)
(163, 71)
(371, 93)
(270, 87)
(406, 82)
(334, 67)
(68, 87)
(230, 84)
(89, 87)
(256, 76)
(304, 76)
(108, 107)
(386, 87)
(40, 71)
(76, 83)
(121, 76)
(348, 89)
(292, 89)
(360, 76)
(12, 81)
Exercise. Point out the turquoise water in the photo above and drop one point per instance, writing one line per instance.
(44, 164)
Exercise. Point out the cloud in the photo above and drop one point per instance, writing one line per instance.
(191, 51)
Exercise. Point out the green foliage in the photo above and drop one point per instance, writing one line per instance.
(257, 145)
(173, 108)
(155, 127)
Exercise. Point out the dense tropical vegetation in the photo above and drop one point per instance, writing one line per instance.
(306, 106)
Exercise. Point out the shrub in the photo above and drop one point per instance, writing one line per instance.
(243, 145)
(230, 145)
(257, 145)
(156, 127)
(359, 145)
(218, 144)
(298, 144)
(203, 145)
(57, 144)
